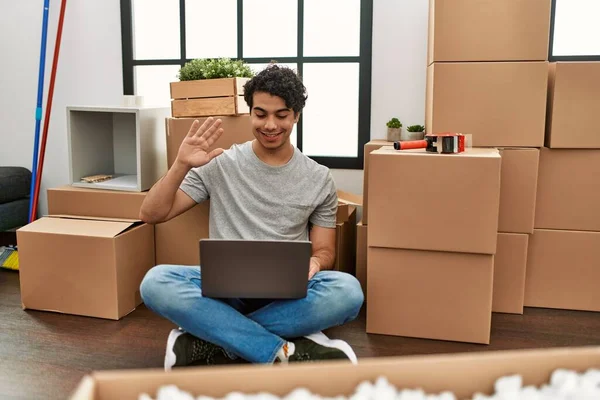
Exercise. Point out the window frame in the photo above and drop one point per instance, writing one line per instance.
(364, 59)
(551, 56)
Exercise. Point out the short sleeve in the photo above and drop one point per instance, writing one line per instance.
(325, 213)
(194, 185)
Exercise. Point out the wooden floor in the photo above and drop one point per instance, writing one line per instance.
(43, 355)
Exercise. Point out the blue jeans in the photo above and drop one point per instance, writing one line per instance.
(252, 329)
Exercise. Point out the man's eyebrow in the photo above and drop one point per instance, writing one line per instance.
(278, 111)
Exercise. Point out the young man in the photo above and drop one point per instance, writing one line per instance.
(260, 190)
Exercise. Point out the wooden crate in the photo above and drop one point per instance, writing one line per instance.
(202, 98)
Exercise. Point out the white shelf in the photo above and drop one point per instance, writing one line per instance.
(128, 143)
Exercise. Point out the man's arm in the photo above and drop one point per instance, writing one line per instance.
(165, 200)
(323, 249)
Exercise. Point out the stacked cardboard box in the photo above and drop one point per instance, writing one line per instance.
(487, 76)
(564, 255)
(361, 227)
(432, 237)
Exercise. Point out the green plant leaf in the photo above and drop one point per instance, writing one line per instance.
(211, 68)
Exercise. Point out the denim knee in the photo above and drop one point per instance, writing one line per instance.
(347, 294)
(152, 285)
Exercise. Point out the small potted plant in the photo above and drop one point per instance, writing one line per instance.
(414, 132)
(394, 130)
(210, 87)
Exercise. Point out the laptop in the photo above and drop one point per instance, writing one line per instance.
(255, 269)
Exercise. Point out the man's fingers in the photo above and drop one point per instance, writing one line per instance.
(196, 127)
(215, 153)
(208, 128)
(214, 137)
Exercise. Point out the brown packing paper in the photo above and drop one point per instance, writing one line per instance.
(464, 374)
(429, 294)
(563, 270)
(510, 263)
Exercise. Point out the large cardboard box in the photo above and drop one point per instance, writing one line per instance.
(84, 266)
(178, 240)
(499, 103)
(236, 130)
(573, 119)
(361, 256)
(563, 270)
(426, 201)
(345, 243)
(510, 262)
(70, 200)
(488, 30)
(462, 374)
(369, 147)
(518, 189)
(430, 294)
(568, 190)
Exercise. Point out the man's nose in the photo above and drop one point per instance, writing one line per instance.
(270, 124)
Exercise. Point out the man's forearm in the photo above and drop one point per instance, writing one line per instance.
(160, 198)
(324, 258)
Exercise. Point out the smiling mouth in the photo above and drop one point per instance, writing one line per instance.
(271, 135)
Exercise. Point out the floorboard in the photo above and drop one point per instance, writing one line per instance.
(44, 354)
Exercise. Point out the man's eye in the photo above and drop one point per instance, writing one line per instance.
(260, 115)
(282, 116)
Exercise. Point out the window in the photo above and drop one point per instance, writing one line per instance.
(327, 41)
(574, 30)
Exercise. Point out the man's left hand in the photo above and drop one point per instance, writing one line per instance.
(314, 268)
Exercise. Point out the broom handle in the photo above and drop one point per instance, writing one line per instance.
(48, 108)
(38, 110)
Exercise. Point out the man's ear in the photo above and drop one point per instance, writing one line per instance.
(296, 117)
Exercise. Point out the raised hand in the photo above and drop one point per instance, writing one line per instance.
(193, 151)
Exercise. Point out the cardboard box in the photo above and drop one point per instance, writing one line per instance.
(563, 270)
(573, 104)
(236, 130)
(510, 262)
(345, 251)
(426, 201)
(369, 147)
(70, 200)
(568, 190)
(125, 142)
(177, 240)
(499, 103)
(488, 30)
(464, 374)
(518, 189)
(84, 266)
(206, 97)
(430, 294)
(361, 256)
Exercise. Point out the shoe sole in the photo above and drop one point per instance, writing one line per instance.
(170, 357)
(323, 340)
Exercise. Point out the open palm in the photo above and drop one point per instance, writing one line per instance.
(193, 151)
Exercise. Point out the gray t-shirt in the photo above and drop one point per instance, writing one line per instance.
(252, 200)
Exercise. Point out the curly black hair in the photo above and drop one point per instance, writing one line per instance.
(278, 81)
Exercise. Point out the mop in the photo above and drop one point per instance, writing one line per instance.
(38, 110)
(48, 110)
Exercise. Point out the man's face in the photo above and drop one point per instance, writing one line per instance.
(272, 121)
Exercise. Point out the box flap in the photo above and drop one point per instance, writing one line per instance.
(349, 198)
(77, 227)
(88, 217)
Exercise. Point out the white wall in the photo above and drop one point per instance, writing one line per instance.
(90, 72)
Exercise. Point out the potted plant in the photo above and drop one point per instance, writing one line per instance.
(394, 130)
(414, 132)
(210, 87)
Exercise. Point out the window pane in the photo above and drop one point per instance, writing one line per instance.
(211, 28)
(323, 39)
(270, 28)
(576, 28)
(153, 82)
(330, 121)
(155, 29)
